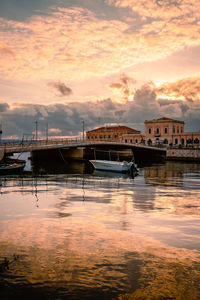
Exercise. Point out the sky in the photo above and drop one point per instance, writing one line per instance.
(63, 62)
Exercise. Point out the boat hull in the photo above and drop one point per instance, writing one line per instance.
(111, 166)
(11, 169)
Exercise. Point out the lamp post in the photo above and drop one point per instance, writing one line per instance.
(46, 132)
(36, 130)
(0, 132)
(83, 123)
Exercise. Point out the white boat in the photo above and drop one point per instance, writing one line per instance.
(114, 166)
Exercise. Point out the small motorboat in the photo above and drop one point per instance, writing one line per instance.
(11, 168)
(115, 166)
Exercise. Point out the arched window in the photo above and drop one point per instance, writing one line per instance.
(149, 142)
(165, 141)
(176, 141)
(182, 141)
(196, 141)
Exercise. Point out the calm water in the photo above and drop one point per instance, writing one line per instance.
(101, 235)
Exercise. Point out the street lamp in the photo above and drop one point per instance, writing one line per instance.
(36, 130)
(0, 131)
(83, 123)
(47, 132)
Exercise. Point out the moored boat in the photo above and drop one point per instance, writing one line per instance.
(11, 168)
(114, 166)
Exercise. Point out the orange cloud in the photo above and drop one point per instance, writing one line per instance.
(76, 43)
(124, 86)
(189, 88)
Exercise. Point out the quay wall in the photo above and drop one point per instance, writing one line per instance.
(183, 154)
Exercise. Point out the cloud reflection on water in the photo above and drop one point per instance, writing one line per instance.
(103, 235)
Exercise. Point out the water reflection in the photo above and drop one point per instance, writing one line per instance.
(102, 237)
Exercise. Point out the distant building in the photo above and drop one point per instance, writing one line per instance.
(157, 131)
(169, 131)
(109, 133)
(162, 130)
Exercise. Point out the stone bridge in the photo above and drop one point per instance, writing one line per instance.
(81, 149)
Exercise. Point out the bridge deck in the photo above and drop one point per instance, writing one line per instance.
(67, 143)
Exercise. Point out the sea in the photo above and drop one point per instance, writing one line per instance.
(73, 233)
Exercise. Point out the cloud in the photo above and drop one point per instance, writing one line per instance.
(124, 85)
(162, 9)
(6, 51)
(188, 88)
(61, 88)
(79, 43)
(66, 119)
(4, 107)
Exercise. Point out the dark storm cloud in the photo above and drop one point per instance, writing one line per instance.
(61, 88)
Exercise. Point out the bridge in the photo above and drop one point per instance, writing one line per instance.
(78, 148)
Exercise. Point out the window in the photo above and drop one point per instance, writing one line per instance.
(165, 129)
(88, 137)
(104, 136)
(125, 140)
(181, 129)
(136, 141)
(177, 129)
(165, 141)
(100, 136)
(131, 140)
(176, 141)
(95, 137)
(149, 130)
(173, 129)
(92, 137)
(157, 130)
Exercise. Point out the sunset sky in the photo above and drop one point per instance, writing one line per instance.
(101, 61)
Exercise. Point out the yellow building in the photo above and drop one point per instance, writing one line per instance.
(162, 130)
(109, 133)
(170, 132)
(158, 131)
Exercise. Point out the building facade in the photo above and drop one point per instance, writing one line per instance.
(109, 133)
(158, 131)
(162, 130)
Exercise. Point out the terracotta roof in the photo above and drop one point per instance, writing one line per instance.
(113, 128)
(163, 119)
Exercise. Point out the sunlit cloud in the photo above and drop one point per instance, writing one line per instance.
(188, 88)
(76, 42)
(124, 86)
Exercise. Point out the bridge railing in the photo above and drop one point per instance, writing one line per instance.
(31, 145)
